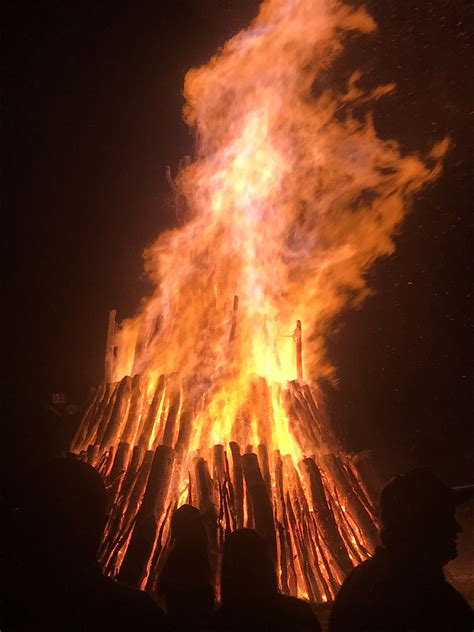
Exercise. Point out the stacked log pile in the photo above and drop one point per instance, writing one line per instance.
(315, 510)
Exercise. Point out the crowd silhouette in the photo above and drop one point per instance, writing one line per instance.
(50, 579)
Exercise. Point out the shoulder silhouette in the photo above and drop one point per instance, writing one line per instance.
(250, 600)
(56, 583)
(402, 587)
(186, 581)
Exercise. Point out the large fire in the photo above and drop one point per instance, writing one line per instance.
(212, 396)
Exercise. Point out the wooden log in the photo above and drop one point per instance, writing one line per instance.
(325, 517)
(134, 410)
(117, 513)
(96, 414)
(110, 347)
(119, 413)
(299, 351)
(265, 467)
(368, 475)
(302, 512)
(351, 501)
(128, 515)
(297, 426)
(134, 566)
(120, 463)
(107, 413)
(218, 462)
(282, 561)
(282, 518)
(78, 441)
(305, 576)
(237, 483)
(233, 326)
(185, 427)
(311, 440)
(207, 508)
(169, 431)
(261, 503)
(144, 438)
(116, 476)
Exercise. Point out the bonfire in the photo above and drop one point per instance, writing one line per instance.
(212, 390)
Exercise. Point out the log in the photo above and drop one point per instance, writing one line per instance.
(325, 518)
(283, 519)
(107, 414)
(351, 501)
(134, 411)
(299, 351)
(128, 515)
(134, 566)
(87, 418)
(144, 438)
(119, 413)
(185, 427)
(169, 431)
(207, 508)
(110, 348)
(306, 574)
(265, 467)
(233, 326)
(261, 504)
(237, 483)
(367, 473)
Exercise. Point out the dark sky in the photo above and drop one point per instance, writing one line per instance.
(93, 116)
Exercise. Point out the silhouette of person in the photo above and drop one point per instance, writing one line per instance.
(402, 587)
(55, 580)
(186, 580)
(250, 600)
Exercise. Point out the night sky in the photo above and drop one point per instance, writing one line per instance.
(92, 118)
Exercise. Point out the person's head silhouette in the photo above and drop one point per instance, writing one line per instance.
(418, 518)
(62, 516)
(247, 569)
(188, 528)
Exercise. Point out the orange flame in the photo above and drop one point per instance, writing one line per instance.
(290, 199)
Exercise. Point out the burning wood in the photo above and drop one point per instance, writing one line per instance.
(290, 199)
(290, 502)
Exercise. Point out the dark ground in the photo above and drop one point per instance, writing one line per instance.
(92, 118)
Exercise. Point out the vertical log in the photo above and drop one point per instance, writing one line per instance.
(119, 413)
(134, 410)
(238, 483)
(233, 326)
(185, 426)
(368, 474)
(299, 351)
(134, 566)
(169, 431)
(265, 467)
(261, 504)
(110, 347)
(107, 413)
(87, 417)
(351, 501)
(117, 472)
(144, 438)
(325, 517)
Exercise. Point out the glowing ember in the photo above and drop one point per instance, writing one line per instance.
(289, 200)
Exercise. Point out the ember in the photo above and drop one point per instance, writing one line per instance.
(211, 394)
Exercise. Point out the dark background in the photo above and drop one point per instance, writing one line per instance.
(92, 118)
